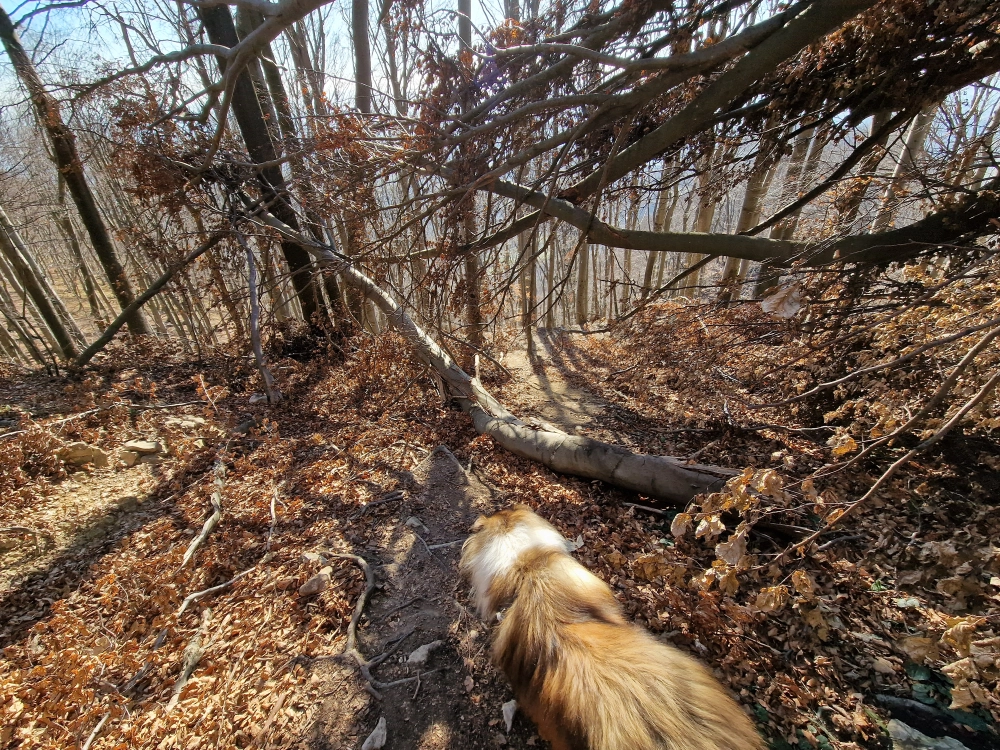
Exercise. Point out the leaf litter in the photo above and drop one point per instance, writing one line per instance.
(903, 602)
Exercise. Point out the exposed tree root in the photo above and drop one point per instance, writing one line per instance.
(372, 685)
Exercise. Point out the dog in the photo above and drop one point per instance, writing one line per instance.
(587, 678)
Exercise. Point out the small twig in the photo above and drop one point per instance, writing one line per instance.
(654, 511)
(206, 529)
(93, 735)
(622, 371)
(274, 517)
(404, 605)
(392, 497)
(445, 544)
(417, 689)
(701, 450)
(428, 550)
(891, 471)
(191, 598)
(208, 397)
(372, 685)
(390, 650)
(138, 676)
(838, 540)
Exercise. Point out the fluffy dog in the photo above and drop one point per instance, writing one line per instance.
(589, 679)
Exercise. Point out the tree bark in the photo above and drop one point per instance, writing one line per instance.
(71, 170)
(362, 56)
(582, 282)
(36, 289)
(250, 119)
(913, 147)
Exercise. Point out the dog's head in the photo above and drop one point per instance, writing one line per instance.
(496, 543)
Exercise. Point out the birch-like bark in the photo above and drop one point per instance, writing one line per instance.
(913, 148)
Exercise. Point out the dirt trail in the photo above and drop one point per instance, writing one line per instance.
(543, 392)
(458, 700)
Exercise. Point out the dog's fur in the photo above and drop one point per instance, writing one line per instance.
(589, 679)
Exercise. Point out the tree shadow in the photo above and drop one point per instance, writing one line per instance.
(31, 599)
(414, 552)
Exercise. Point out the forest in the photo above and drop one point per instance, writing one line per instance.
(291, 291)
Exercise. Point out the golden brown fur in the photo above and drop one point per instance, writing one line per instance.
(589, 679)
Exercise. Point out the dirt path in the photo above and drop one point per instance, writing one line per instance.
(458, 700)
(545, 394)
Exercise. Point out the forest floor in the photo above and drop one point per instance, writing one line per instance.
(893, 617)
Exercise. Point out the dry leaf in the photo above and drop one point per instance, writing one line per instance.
(803, 584)
(959, 633)
(918, 649)
(963, 669)
(650, 567)
(883, 666)
(729, 584)
(769, 483)
(733, 551)
(772, 598)
(680, 525)
(814, 619)
(709, 527)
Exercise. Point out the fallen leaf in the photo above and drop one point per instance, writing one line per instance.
(680, 525)
(918, 649)
(771, 598)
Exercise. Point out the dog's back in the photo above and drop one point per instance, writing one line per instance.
(589, 679)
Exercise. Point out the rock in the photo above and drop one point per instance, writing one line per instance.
(151, 458)
(313, 558)
(79, 454)
(317, 583)
(186, 423)
(420, 655)
(415, 523)
(376, 740)
(129, 458)
(143, 447)
(905, 737)
(509, 709)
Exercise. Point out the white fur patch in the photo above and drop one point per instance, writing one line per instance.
(499, 555)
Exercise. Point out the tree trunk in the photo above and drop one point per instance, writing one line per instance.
(71, 170)
(292, 148)
(582, 282)
(36, 289)
(247, 110)
(362, 57)
(767, 277)
(757, 187)
(39, 274)
(464, 25)
(89, 283)
(913, 148)
(656, 476)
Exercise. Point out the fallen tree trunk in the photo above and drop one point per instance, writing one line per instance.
(661, 477)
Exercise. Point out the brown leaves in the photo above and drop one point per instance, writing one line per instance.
(772, 598)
